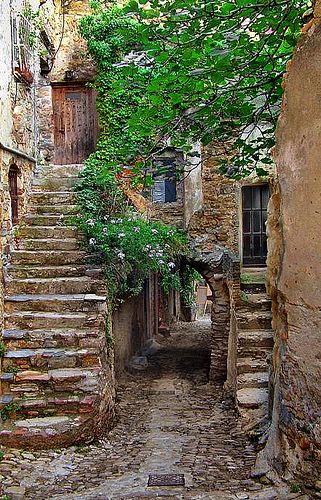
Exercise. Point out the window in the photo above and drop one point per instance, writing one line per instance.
(23, 39)
(254, 212)
(164, 188)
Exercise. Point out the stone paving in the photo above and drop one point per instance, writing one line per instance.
(169, 420)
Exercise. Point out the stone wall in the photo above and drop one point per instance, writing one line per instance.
(217, 221)
(294, 268)
(134, 322)
(18, 128)
(72, 55)
(129, 332)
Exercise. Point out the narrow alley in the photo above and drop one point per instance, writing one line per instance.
(170, 420)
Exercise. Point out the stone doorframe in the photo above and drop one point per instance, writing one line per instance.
(221, 270)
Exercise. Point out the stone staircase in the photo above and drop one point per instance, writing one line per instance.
(255, 344)
(55, 366)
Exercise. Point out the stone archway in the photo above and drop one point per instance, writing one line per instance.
(221, 270)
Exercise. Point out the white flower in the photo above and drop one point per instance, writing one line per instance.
(121, 255)
(105, 230)
(135, 229)
(92, 241)
(161, 262)
(112, 221)
(154, 231)
(171, 265)
(121, 235)
(90, 222)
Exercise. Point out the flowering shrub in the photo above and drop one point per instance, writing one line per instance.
(130, 245)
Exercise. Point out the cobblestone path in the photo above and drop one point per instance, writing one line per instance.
(169, 420)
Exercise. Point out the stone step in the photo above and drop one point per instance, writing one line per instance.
(255, 380)
(253, 287)
(52, 197)
(82, 380)
(255, 320)
(49, 258)
(44, 220)
(258, 301)
(45, 432)
(50, 358)
(252, 397)
(15, 271)
(45, 232)
(262, 354)
(255, 339)
(53, 338)
(54, 183)
(49, 171)
(54, 209)
(55, 303)
(56, 286)
(54, 404)
(68, 244)
(250, 365)
(35, 320)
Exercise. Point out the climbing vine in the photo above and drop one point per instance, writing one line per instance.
(131, 246)
(194, 70)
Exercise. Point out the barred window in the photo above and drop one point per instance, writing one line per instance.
(23, 40)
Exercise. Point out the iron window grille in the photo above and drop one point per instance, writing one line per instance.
(23, 41)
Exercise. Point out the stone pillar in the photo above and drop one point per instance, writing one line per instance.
(220, 329)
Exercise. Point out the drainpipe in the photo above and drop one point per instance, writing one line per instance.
(18, 153)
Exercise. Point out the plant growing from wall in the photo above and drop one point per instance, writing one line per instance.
(131, 246)
(8, 410)
(189, 278)
(2, 349)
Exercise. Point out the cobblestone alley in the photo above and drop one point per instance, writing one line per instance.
(169, 420)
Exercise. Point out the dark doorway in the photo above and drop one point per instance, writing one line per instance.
(13, 190)
(75, 123)
(254, 206)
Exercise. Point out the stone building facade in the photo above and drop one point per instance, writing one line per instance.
(294, 267)
(18, 121)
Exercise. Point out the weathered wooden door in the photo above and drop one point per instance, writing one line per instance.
(75, 123)
(255, 200)
(13, 190)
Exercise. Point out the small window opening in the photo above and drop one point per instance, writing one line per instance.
(164, 188)
(13, 190)
(23, 43)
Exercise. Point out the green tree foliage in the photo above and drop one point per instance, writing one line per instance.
(208, 70)
(175, 72)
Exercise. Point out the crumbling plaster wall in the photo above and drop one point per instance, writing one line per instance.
(295, 268)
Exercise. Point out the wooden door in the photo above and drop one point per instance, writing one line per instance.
(13, 190)
(75, 123)
(255, 200)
